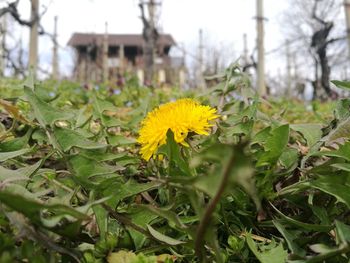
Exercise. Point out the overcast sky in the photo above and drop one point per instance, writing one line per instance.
(223, 22)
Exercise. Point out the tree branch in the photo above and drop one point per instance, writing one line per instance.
(332, 40)
(314, 15)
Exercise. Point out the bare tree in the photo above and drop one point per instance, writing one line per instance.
(150, 35)
(316, 31)
(320, 42)
(12, 11)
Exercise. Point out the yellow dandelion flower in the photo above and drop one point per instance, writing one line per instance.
(181, 117)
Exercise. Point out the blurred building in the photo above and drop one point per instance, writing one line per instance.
(125, 54)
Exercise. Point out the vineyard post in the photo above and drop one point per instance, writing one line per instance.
(105, 54)
(347, 17)
(33, 40)
(245, 50)
(3, 28)
(260, 44)
(289, 67)
(55, 52)
(121, 58)
(200, 59)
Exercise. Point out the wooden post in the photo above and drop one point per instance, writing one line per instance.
(347, 17)
(3, 31)
(33, 40)
(82, 70)
(200, 51)
(295, 67)
(261, 52)
(55, 71)
(20, 58)
(288, 69)
(245, 50)
(200, 77)
(345, 73)
(182, 71)
(121, 59)
(105, 54)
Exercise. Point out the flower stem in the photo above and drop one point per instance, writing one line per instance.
(201, 230)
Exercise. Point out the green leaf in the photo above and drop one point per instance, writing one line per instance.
(242, 172)
(176, 162)
(101, 155)
(167, 214)
(121, 257)
(334, 185)
(82, 119)
(9, 155)
(44, 112)
(68, 138)
(102, 219)
(341, 132)
(262, 136)
(343, 152)
(140, 217)
(342, 111)
(210, 182)
(118, 189)
(289, 237)
(29, 81)
(321, 213)
(311, 132)
(341, 84)
(16, 143)
(207, 184)
(33, 209)
(289, 157)
(23, 173)
(18, 189)
(267, 253)
(87, 168)
(100, 107)
(342, 166)
(307, 226)
(120, 140)
(11, 174)
(321, 248)
(275, 145)
(242, 127)
(166, 239)
(343, 232)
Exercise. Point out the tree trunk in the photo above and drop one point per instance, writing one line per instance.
(150, 36)
(347, 18)
(325, 69)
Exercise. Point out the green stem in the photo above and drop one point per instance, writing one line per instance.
(127, 222)
(342, 249)
(201, 230)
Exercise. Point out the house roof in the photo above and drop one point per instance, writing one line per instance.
(84, 39)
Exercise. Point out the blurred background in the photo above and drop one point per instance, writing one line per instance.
(290, 48)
